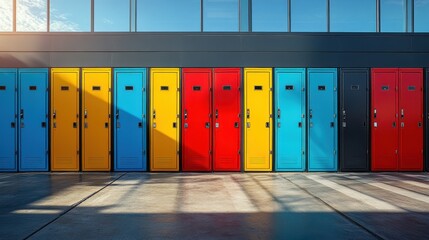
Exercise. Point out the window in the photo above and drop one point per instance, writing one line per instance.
(244, 15)
(220, 15)
(31, 16)
(393, 15)
(70, 16)
(309, 16)
(111, 16)
(421, 15)
(353, 16)
(169, 15)
(269, 16)
(6, 15)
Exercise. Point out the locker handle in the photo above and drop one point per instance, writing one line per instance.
(216, 113)
(174, 125)
(140, 124)
(185, 114)
(54, 115)
(267, 125)
(300, 124)
(207, 124)
(74, 124)
(402, 113)
(106, 125)
(394, 124)
(154, 114)
(236, 125)
(332, 124)
(344, 115)
(248, 113)
(12, 124)
(420, 124)
(311, 113)
(117, 114)
(21, 114)
(85, 114)
(43, 124)
(278, 113)
(375, 113)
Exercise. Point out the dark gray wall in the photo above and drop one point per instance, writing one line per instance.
(214, 50)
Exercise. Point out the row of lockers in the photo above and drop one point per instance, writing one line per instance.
(197, 115)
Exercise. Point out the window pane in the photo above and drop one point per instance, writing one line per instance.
(269, 16)
(421, 15)
(169, 15)
(6, 15)
(111, 16)
(309, 16)
(244, 15)
(220, 15)
(70, 16)
(31, 16)
(393, 14)
(353, 16)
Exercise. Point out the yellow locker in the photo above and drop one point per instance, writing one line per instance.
(164, 119)
(96, 125)
(65, 119)
(258, 119)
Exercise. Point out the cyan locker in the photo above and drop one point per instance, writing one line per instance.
(130, 138)
(33, 119)
(8, 100)
(290, 119)
(322, 119)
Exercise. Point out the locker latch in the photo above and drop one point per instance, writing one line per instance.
(402, 125)
(235, 125)
(217, 125)
(154, 125)
(118, 125)
(344, 114)
(402, 113)
(248, 113)
(43, 124)
(420, 124)
(21, 114)
(12, 124)
(332, 124)
(394, 124)
(154, 114)
(185, 125)
(54, 115)
(300, 124)
(174, 125)
(278, 113)
(375, 113)
(248, 125)
(311, 113)
(207, 124)
(85, 114)
(117, 114)
(106, 125)
(54, 125)
(74, 125)
(267, 124)
(216, 113)
(185, 114)
(140, 124)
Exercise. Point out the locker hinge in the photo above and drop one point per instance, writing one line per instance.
(271, 115)
(178, 89)
(110, 152)
(144, 89)
(271, 89)
(77, 152)
(110, 89)
(109, 115)
(239, 152)
(77, 89)
(271, 151)
(303, 152)
(178, 152)
(178, 115)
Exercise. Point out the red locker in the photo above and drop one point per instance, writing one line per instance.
(227, 129)
(411, 119)
(384, 122)
(397, 119)
(196, 119)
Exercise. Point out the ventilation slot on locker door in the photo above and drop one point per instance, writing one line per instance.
(354, 87)
(64, 88)
(33, 88)
(227, 87)
(289, 87)
(96, 88)
(321, 88)
(259, 88)
(411, 88)
(164, 88)
(385, 88)
(2, 87)
(129, 88)
(196, 88)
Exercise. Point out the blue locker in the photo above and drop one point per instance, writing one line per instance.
(290, 119)
(8, 101)
(33, 119)
(130, 138)
(322, 119)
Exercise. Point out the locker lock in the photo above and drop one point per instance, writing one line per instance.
(311, 113)
(185, 114)
(278, 113)
(85, 114)
(117, 114)
(402, 113)
(375, 113)
(54, 115)
(21, 114)
(344, 114)
(154, 114)
(248, 113)
(216, 113)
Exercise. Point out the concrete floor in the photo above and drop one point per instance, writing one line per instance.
(212, 206)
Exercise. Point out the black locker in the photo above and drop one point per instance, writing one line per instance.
(354, 119)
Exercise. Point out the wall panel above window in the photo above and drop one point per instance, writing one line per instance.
(31, 16)
(353, 16)
(6, 15)
(70, 16)
(111, 16)
(220, 16)
(269, 16)
(421, 15)
(169, 15)
(309, 16)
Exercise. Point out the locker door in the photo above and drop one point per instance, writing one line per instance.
(427, 120)
(410, 120)
(65, 119)
(322, 126)
(165, 119)
(196, 118)
(384, 133)
(227, 123)
(33, 111)
(130, 119)
(8, 144)
(257, 112)
(96, 119)
(354, 119)
(290, 119)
